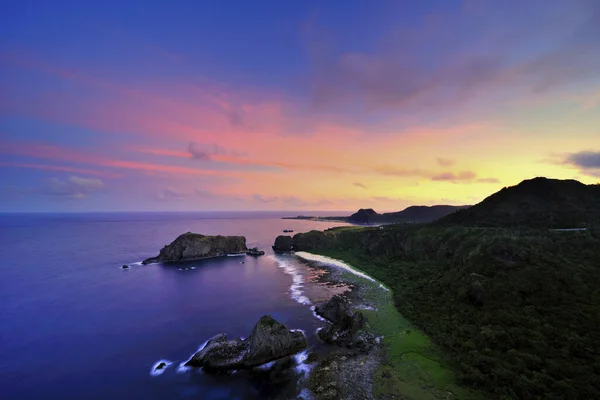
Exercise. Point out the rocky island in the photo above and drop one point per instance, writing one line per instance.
(269, 341)
(194, 246)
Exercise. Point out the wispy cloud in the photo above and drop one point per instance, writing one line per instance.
(208, 152)
(588, 162)
(360, 185)
(488, 180)
(496, 61)
(74, 187)
(170, 194)
(450, 176)
(445, 162)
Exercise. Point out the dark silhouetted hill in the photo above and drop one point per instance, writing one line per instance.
(411, 214)
(535, 203)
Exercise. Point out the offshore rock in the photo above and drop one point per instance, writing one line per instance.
(269, 341)
(194, 246)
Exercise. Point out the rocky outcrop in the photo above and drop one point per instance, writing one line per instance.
(348, 328)
(255, 252)
(194, 246)
(334, 309)
(269, 341)
(283, 243)
(304, 241)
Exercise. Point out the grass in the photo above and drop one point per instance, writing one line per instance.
(512, 313)
(415, 368)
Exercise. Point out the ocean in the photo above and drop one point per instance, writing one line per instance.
(75, 325)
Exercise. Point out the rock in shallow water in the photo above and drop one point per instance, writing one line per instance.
(348, 328)
(269, 341)
(334, 309)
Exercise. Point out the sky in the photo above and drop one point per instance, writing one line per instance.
(292, 105)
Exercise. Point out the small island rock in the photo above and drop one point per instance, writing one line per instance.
(194, 246)
(269, 341)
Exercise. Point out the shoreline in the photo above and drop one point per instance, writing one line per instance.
(406, 364)
(345, 373)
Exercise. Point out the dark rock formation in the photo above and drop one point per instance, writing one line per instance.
(304, 241)
(269, 341)
(125, 266)
(348, 328)
(193, 246)
(160, 366)
(283, 244)
(255, 252)
(334, 309)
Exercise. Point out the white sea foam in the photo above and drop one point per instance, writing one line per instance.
(157, 372)
(296, 292)
(266, 366)
(301, 366)
(236, 254)
(305, 395)
(317, 315)
(335, 263)
(365, 307)
(182, 368)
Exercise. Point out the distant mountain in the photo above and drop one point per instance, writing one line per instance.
(411, 214)
(537, 203)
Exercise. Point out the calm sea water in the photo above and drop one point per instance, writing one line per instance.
(74, 325)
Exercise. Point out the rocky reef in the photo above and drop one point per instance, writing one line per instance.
(194, 246)
(255, 252)
(269, 341)
(348, 328)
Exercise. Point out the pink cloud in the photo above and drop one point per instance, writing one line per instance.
(47, 167)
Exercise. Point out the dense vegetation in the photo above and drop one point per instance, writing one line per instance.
(539, 202)
(517, 311)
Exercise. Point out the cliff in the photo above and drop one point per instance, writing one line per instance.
(194, 246)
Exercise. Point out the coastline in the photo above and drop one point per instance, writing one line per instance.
(406, 364)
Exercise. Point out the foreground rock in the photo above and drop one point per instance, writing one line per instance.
(194, 246)
(348, 328)
(269, 341)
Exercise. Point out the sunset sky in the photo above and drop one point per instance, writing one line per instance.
(292, 105)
